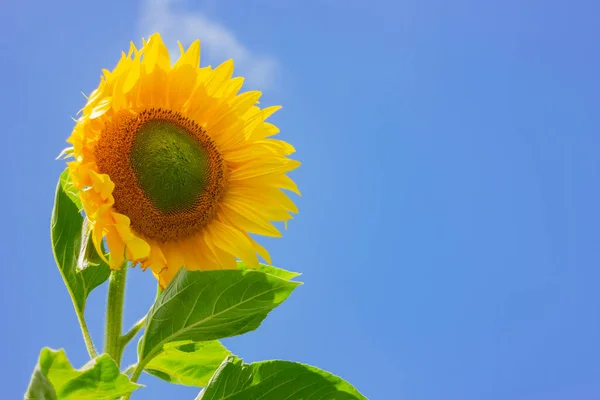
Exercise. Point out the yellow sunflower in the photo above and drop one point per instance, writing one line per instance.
(175, 167)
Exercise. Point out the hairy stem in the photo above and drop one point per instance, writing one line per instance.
(139, 368)
(114, 314)
(89, 345)
(126, 338)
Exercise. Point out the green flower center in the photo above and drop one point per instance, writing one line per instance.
(171, 167)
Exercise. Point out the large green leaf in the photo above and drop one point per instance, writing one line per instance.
(207, 305)
(55, 379)
(188, 363)
(275, 380)
(80, 266)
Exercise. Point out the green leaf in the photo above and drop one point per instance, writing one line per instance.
(207, 305)
(67, 185)
(80, 266)
(275, 380)
(55, 379)
(40, 387)
(188, 363)
(271, 270)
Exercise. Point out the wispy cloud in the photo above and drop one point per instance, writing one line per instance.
(176, 22)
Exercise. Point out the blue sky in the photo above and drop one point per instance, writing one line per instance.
(449, 225)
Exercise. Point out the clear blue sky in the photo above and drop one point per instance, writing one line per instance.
(449, 224)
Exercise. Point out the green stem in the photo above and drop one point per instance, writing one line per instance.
(86, 335)
(126, 338)
(114, 314)
(139, 368)
(130, 369)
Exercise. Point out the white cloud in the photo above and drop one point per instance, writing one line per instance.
(218, 42)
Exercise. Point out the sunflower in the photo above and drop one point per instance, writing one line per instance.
(175, 168)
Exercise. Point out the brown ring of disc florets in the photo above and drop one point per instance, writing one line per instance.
(112, 154)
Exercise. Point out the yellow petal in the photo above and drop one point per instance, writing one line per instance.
(133, 76)
(166, 275)
(220, 75)
(244, 101)
(116, 248)
(103, 106)
(97, 236)
(224, 260)
(156, 54)
(248, 220)
(258, 168)
(137, 248)
(260, 250)
(191, 57)
(102, 184)
(232, 241)
(174, 257)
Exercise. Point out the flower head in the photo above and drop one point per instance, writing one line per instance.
(175, 167)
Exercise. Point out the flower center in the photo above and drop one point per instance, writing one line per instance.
(169, 176)
(171, 167)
